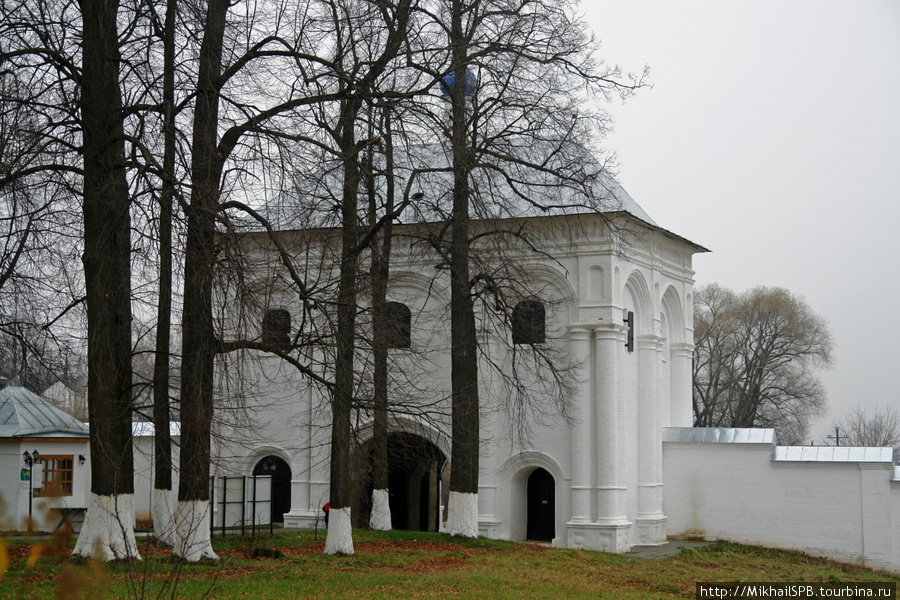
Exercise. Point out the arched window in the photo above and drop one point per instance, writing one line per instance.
(528, 322)
(397, 325)
(276, 329)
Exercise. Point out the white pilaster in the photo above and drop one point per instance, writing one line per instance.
(489, 436)
(650, 519)
(581, 447)
(610, 530)
(608, 342)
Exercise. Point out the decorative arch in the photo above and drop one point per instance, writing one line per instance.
(561, 291)
(280, 474)
(421, 285)
(674, 312)
(513, 479)
(596, 283)
(401, 424)
(260, 452)
(418, 460)
(426, 302)
(637, 286)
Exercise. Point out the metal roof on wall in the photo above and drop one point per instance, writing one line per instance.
(23, 413)
(732, 435)
(719, 435)
(833, 454)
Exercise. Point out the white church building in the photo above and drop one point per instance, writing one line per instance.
(608, 296)
(597, 453)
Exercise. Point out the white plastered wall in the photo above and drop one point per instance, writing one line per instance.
(737, 491)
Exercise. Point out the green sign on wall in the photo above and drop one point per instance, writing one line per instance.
(26, 475)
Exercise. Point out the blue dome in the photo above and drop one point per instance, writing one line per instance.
(449, 78)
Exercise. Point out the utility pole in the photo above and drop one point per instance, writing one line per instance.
(836, 437)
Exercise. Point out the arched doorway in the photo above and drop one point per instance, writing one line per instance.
(541, 505)
(281, 484)
(415, 466)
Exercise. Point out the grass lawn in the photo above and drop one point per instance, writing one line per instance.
(400, 565)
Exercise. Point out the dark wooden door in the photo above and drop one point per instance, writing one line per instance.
(541, 506)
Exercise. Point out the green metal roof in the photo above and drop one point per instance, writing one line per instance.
(24, 413)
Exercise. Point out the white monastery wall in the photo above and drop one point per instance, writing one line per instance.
(142, 445)
(840, 503)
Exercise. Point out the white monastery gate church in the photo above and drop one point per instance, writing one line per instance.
(577, 455)
(608, 295)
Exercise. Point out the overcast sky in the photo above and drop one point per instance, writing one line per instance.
(771, 136)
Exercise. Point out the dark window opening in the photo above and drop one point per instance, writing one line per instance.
(528, 322)
(397, 325)
(276, 330)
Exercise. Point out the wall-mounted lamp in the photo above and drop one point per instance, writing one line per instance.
(628, 318)
(81, 459)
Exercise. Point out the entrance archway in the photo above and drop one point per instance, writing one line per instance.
(541, 505)
(281, 484)
(415, 466)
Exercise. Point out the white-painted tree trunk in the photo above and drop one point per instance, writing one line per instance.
(192, 541)
(380, 518)
(462, 515)
(340, 533)
(108, 529)
(164, 516)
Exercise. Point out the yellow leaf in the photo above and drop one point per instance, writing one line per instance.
(34, 556)
(4, 558)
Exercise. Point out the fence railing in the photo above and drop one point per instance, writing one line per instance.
(241, 502)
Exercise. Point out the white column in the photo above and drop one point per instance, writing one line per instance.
(581, 447)
(650, 518)
(608, 342)
(595, 447)
(489, 523)
(303, 511)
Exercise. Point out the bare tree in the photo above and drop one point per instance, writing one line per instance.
(107, 262)
(862, 427)
(383, 325)
(41, 290)
(520, 79)
(755, 359)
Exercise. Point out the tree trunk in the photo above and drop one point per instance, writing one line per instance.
(198, 338)
(380, 519)
(463, 502)
(339, 539)
(108, 527)
(163, 517)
